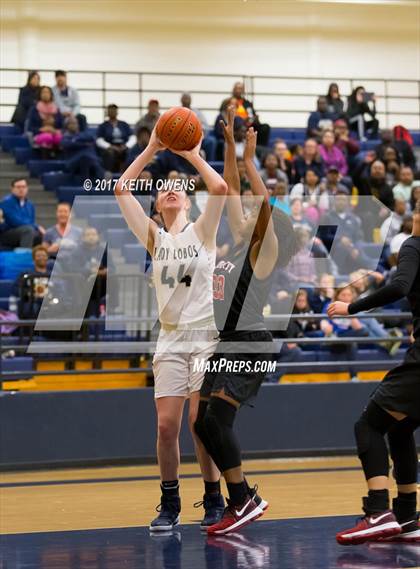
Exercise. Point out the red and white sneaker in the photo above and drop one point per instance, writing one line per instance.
(410, 533)
(236, 517)
(261, 503)
(370, 527)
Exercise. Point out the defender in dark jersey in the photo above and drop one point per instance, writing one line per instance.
(241, 283)
(394, 409)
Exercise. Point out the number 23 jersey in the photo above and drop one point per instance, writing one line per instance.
(182, 274)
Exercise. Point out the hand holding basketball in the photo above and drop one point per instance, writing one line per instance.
(154, 142)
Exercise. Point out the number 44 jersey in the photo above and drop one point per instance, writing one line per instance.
(183, 277)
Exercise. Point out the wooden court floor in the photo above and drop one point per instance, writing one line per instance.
(95, 498)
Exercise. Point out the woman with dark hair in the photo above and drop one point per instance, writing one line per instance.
(44, 110)
(28, 96)
(241, 284)
(357, 108)
(335, 104)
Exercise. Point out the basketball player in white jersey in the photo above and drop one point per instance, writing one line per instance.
(183, 256)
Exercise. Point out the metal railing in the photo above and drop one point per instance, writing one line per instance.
(279, 100)
(22, 346)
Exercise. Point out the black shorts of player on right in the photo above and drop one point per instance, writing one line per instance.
(237, 373)
(400, 389)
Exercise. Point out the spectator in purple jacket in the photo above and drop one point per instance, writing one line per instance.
(331, 154)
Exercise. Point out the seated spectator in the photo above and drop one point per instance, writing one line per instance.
(79, 151)
(62, 235)
(310, 159)
(348, 146)
(284, 158)
(279, 197)
(404, 188)
(311, 191)
(298, 216)
(114, 138)
(415, 197)
(392, 224)
(402, 148)
(248, 201)
(305, 326)
(364, 282)
(398, 240)
(150, 119)
(270, 172)
(67, 99)
(28, 97)
(245, 110)
(358, 109)
(375, 184)
(186, 102)
(320, 120)
(332, 182)
(43, 109)
(48, 137)
(143, 137)
(31, 287)
(301, 267)
(331, 154)
(17, 223)
(223, 116)
(335, 104)
(322, 295)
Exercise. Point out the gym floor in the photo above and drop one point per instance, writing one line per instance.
(97, 519)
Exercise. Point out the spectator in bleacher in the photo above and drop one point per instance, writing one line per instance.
(310, 159)
(348, 146)
(402, 148)
(186, 102)
(279, 197)
(375, 184)
(313, 195)
(43, 109)
(398, 240)
(364, 281)
(301, 267)
(284, 158)
(114, 138)
(248, 201)
(79, 151)
(149, 119)
(31, 286)
(270, 172)
(62, 235)
(243, 177)
(305, 326)
(335, 103)
(223, 116)
(358, 109)
(143, 137)
(67, 99)
(320, 120)
(245, 110)
(331, 154)
(48, 137)
(322, 295)
(332, 182)
(392, 224)
(298, 215)
(415, 197)
(17, 223)
(28, 97)
(406, 184)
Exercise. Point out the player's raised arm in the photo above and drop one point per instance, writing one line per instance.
(265, 251)
(236, 217)
(140, 224)
(208, 222)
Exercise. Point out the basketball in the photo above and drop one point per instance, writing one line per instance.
(179, 129)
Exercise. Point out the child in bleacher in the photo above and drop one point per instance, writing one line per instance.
(48, 137)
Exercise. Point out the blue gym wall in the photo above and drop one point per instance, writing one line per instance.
(94, 427)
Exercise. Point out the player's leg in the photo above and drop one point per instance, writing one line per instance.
(169, 416)
(404, 456)
(379, 520)
(213, 501)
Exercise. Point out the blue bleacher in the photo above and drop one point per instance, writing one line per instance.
(20, 363)
(10, 141)
(218, 166)
(23, 155)
(117, 238)
(104, 222)
(12, 263)
(68, 193)
(134, 253)
(38, 167)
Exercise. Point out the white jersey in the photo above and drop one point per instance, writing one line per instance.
(183, 277)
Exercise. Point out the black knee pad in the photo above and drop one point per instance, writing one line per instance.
(218, 423)
(403, 451)
(200, 427)
(369, 431)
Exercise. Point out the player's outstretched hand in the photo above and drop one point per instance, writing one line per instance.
(338, 309)
(229, 127)
(189, 154)
(155, 143)
(250, 144)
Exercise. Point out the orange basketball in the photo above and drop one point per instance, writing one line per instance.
(179, 129)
